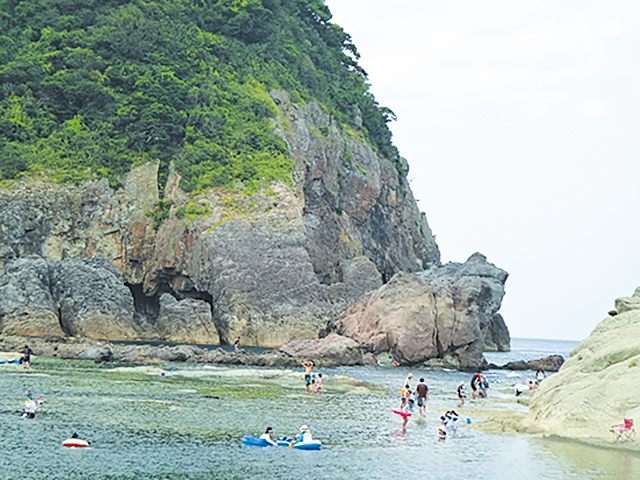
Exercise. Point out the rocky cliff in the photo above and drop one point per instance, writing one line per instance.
(267, 266)
(598, 386)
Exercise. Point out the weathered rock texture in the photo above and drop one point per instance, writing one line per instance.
(186, 321)
(93, 300)
(330, 351)
(267, 266)
(447, 312)
(552, 363)
(597, 386)
(27, 306)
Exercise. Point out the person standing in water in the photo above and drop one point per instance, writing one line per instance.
(422, 395)
(461, 394)
(477, 386)
(26, 358)
(407, 381)
(308, 366)
(236, 344)
(320, 384)
(405, 393)
(485, 386)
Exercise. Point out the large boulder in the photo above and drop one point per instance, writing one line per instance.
(93, 300)
(26, 304)
(470, 293)
(187, 320)
(99, 353)
(331, 351)
(552, 363)
(442, 313)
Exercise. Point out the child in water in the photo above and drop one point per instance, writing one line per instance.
(30, 406)
(404, 397)
(320, 383)
(461, 394)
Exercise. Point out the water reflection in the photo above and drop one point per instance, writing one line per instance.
(603, 463)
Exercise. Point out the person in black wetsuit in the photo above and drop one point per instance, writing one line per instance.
(461, 394)
(477, 386)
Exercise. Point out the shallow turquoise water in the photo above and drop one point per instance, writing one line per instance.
(188, 424)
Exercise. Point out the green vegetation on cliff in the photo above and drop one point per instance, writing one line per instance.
(89, 88)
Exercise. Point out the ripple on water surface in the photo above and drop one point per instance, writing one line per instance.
(188, 424)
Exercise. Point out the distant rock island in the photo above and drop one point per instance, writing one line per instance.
(597, 387)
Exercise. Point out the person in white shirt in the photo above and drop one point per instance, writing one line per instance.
(304, 436)
(267, 436)
(408, 380)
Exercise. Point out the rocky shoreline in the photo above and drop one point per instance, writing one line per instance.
(335, 351)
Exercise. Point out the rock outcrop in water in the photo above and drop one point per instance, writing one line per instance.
(598, 386)
(552, 363)
(268, 266)
(445, 316)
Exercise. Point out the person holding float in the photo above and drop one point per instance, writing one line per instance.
(75, 442)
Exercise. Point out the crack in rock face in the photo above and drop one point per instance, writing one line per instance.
(268, 266)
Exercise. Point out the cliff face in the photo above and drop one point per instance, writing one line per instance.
(598, 386)
(268, 266)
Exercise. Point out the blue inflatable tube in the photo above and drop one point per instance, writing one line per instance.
(254, 441)
(314, 445)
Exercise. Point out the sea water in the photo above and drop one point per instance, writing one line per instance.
(185, 421)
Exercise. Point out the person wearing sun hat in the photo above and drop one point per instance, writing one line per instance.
(408, 380)
(304, 436)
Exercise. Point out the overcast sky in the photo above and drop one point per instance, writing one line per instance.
(521, 124)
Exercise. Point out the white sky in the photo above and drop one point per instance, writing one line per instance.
(521, 124)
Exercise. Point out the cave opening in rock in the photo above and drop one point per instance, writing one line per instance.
(148, 306)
